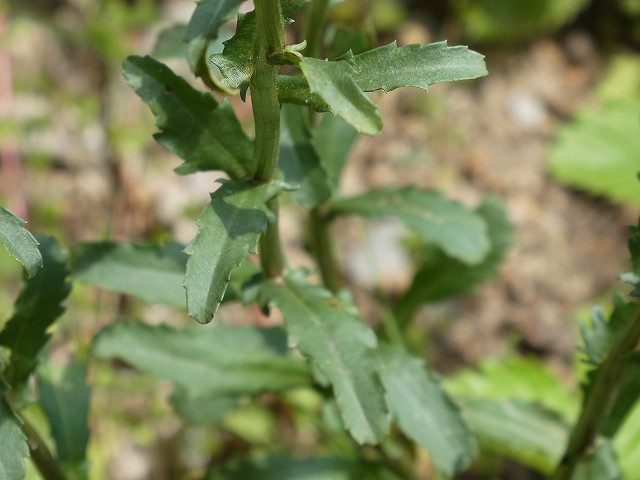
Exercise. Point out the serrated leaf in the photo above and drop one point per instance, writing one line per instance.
(517, 430)
(425, 412)
(204, 133)
(299, 159)
(219, 361)
(333, 141)
(599, 335)
(19, 242)
(439, 276)
(341, 349)
(150, 272)
(333, 81)
(37, 307)
(390, 66)
(230, 227)
(13, 443)
(446, 223)
(282, 468)
(153, 273)
(64, 397)
(600, 152)
(209, 16)
(237, 60)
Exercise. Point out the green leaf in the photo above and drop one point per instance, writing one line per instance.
(209, 16)
(439, 276)
(600, 152)
(341, 349)
(65, 397)
(294, 89)
(627, 398)
(600, 464)
(203, 410)
(513, 376)
(37, 307)
(219, 361)
(517, 430)
(230, 227)
(333, 141)
(153, 273)
(204, 133)
(299, 159)
(169, 43)
(425, 412)
(446, 223)
(19, 242)
(13, 443)
(333, 81)
(390, 67)
(282, 468)
(490, 20)
(237, 60)
(600, 333)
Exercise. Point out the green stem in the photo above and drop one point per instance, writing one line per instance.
(322, 247)
(602, 397)
(40, 454)
(266, 113)
(314, 26)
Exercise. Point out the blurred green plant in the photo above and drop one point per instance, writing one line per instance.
(599, 151)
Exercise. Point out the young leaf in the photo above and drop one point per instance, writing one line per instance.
(13, 443)
(153, 273)
(64, 397)
(439, 276)
(216, 362)
(517, 430)
(19, 242)
(333, 141)
(236, 62)
(209, 16)
(446, 223)
(425, 412)
(230, 227)
(333, 81)
(37, 307)
(599, 335)
(342, 353)
(628, 396)
(390, 67)
(299, 159)
(204, 133)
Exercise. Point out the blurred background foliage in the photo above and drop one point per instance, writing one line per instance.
(66, 113)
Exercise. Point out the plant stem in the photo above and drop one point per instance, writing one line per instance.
(323, 250)
(314, 26)
(266, 113)
(40, 454)
(602, 397)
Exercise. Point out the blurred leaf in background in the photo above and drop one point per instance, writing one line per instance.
(599, 151)
(512, 20)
